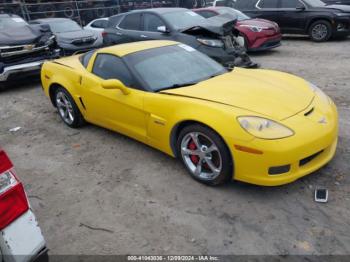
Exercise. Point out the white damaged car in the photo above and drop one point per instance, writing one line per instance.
(21, 239)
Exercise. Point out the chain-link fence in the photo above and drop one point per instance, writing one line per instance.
(83, 11)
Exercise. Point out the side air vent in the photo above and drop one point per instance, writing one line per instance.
(309, 112)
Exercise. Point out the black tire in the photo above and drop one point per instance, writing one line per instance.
(77, 119)
(320, 31)
(222, 151)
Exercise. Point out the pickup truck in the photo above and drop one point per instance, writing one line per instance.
(21, 239)
(23, 47)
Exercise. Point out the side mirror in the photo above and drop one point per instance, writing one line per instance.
(163, 29)
(44, 28)
(300, 7)
(115, 84)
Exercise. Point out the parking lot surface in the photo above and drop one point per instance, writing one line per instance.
(98, 192)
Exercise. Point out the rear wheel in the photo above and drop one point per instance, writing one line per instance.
(320, 31)
(67, 109)
(205, 155)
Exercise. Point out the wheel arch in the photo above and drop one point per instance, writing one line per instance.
(313, 20)
(174, 134)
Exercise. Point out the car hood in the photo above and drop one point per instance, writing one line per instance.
(66, 36)
(20, 36)
(272, 94)
(344, 8)
(218, 25)
(257, 22)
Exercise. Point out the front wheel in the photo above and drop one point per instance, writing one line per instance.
(67, 109)
(205, 155)
(320, 31)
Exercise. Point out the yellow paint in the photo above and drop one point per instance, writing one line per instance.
(216, 103)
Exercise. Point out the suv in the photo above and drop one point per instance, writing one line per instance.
(310, 17)
(21, 239)
(23, 47)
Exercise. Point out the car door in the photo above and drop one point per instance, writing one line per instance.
(111, 108)
(150, 24)
(293, 16)
(129, 29)
(267, 9)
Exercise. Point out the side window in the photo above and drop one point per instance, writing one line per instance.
(109, 66)
(113, 21)
(152, 22)
(131, 22)
(85, 58)
(290, 3)
(244, 4)
(268, 4)
(206, 14)
(100, 24)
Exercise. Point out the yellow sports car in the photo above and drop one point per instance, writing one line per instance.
(257, 126)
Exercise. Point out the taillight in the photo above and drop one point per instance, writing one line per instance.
(13, 200)
(104, 34)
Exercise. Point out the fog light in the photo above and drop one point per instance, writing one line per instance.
(277, 170)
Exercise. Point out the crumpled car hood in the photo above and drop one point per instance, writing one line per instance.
(273, 94)
(20, 36)
(220, 25)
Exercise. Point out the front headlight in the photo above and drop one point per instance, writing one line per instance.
(211, 42)
(255, 28)
(51, 40)
(342, 14)
(320, 93)
(264, 128)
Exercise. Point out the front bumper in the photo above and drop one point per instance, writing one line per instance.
(9, 71)
(313, 145)
(265, 43)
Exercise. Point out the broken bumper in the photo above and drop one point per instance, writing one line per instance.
(19, 69)
(22, 240)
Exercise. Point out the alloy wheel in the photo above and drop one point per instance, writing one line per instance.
(319, 32)
(201, 156)
(65, 107)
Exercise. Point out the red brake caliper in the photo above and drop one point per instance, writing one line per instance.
(194, 158)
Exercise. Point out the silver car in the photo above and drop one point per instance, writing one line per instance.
(70, 36)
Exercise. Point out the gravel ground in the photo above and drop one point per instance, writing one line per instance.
(98, 192)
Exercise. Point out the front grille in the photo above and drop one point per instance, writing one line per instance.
(308, 159)
(18, 58)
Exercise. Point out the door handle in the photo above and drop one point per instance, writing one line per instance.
(143, 36)
(118, 33)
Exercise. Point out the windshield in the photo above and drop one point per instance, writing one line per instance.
(183, 19)
(11, 22)
(172, 67)
(315, 3)
(64, 26)
(235, 13)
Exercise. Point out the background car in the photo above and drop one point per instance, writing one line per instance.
(21, 239)
(259, 34)
(309, 17)
(70, 36)
(23, 47)
(258, 126)
(178, 24)
(97, 25)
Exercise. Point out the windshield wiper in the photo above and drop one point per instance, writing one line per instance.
(177, 86)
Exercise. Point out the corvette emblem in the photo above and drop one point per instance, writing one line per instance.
(323, 120)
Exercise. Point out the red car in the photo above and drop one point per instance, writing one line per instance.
(259, 34)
